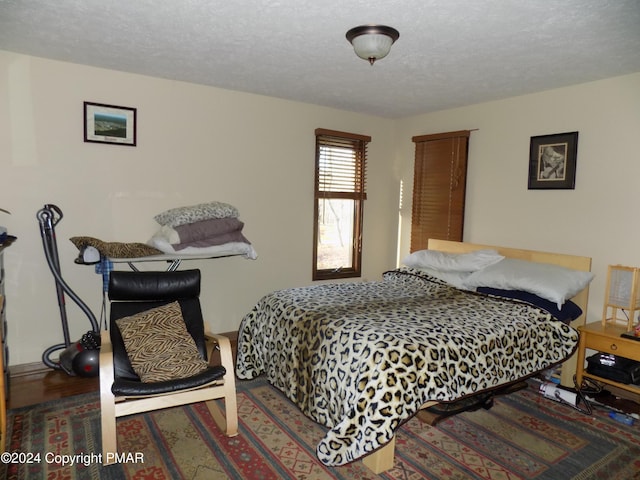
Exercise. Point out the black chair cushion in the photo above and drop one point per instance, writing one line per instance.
(132, 388)
(134, 292)
(150, 286)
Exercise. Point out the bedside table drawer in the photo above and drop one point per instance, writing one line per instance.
(615, 346)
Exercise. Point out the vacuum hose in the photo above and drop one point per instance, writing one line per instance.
(48, 220)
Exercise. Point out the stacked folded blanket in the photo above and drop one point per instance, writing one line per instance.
(206, 228)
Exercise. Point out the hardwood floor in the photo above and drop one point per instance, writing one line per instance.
(40, 386)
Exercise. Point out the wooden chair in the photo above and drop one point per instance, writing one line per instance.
(121, 390)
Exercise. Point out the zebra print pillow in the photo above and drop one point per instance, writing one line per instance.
(159, 346)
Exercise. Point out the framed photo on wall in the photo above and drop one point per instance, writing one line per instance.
(552, 161)
(109, 124)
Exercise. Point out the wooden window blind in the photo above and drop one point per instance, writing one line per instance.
(439, 185)
(341, 164)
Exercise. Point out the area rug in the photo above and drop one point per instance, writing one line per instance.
(523, 436)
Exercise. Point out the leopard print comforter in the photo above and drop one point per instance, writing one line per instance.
(361, 358)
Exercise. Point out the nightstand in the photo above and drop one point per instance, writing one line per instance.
(606, 338)
(621, 307)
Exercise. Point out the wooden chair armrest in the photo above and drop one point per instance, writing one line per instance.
(105, 363)
(223, 347)
(106, 350)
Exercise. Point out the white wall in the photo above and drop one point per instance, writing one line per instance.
(195, 144)
(598, 219)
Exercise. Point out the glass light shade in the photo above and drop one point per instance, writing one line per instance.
(372, 46)
(372, 42)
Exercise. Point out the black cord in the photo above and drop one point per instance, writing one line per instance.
(103, 312)
(588, 386)
(582, 389)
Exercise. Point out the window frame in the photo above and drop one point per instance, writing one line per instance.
(358, 194)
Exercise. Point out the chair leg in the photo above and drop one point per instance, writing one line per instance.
(228, 423)
(107, 402)
(109, 432)
(231, 409)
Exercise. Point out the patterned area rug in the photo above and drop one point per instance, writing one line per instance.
(524, 436)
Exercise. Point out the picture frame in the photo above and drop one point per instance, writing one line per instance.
(552, 161)
(110, 124)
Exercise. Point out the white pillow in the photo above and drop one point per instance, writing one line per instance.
(452, 262)
(551, 282)
(455, 279)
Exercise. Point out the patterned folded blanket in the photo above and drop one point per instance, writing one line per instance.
(116, 249)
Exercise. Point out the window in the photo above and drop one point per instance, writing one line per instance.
(339, 197)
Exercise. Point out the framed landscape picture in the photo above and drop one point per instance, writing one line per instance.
(109, 124)
(552, 161)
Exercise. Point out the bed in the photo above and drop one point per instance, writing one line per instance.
(361, 358)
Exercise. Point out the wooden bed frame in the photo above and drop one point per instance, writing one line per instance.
(382, 459)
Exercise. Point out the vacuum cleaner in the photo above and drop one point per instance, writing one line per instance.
(80, 357)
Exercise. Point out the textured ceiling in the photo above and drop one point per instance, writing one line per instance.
(450, 52)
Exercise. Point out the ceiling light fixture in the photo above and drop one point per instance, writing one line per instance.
(372, 42)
